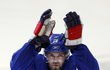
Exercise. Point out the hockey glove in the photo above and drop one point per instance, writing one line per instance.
(73, 32)
(43, 30)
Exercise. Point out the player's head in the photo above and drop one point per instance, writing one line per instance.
(56, 53)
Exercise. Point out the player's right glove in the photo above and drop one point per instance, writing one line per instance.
(43, 30)
(73, 29)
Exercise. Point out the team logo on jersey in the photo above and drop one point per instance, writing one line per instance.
(56, 47)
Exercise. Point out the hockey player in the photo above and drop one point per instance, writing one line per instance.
(57, 47)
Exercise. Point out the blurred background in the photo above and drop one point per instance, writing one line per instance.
(18, 19)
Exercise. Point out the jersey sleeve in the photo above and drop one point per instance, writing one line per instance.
(23, 59)
(84, 59)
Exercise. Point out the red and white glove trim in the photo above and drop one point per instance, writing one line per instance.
(73, 35)
(45, 28)
(75, 32)
(40, 27)
(73, 42)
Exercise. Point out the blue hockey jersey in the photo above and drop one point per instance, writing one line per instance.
(27, 58)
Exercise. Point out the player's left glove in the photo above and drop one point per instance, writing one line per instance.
(43, 30)
(45, 26)
(73, 32)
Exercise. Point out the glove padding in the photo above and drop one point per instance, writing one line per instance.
(44, 23)
(41, 41)
(43, 30)
(73, 29)
(46, 15)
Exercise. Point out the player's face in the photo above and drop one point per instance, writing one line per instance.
(56, 60)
